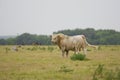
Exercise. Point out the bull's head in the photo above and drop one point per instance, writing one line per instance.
(55, 38)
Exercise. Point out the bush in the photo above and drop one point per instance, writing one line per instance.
(113, 74)
(106, 74)
(42, 48)
(78, 57)
(98, 72)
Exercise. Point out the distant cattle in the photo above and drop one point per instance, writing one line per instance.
(75, 43)
(15, 48)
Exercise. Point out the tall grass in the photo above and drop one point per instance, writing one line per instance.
(46, 63)
(106, 74)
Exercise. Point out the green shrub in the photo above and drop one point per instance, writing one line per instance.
(113, 74)
(78, 57)
(7, 49)
(98, 72)
(34, 48)
(42, 48)
(106, 74)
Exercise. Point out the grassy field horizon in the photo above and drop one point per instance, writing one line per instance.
(46, 63)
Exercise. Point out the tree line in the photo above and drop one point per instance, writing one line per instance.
(99, 37)
(27, 39)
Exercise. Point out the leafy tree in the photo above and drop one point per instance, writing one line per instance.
(28, 39)
(3, 42)
(106, 37)
(11, 41)
(25, 38)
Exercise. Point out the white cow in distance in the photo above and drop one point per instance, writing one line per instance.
(74, 43)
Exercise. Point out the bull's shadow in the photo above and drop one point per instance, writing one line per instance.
(86, 59)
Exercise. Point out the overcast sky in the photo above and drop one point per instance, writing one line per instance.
(47, 16)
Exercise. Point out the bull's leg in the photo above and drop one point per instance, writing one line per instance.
(67, 53)
(79, 49)
(63, 52)
(76, 50)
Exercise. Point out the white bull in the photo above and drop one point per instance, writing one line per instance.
(74, 43)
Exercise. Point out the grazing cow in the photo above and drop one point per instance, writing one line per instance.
(74, 43)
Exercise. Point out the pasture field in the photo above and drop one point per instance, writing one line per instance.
(46, 63)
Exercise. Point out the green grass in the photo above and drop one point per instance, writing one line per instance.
(47, 63)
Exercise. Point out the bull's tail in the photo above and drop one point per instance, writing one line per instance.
(87, 44)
